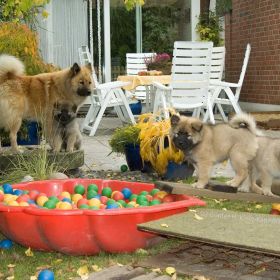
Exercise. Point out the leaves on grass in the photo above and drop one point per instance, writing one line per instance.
(217, 201)
(157, 270)
(258, 206)
(11, 265)
(164, 225)
(29, 253)
(225, 209)
(192, 210)
(58, 261)
(12, 277)
(141, 252)
(96, 268)
(170, 270)
(83, 272)
(33, 277)
(197, 217)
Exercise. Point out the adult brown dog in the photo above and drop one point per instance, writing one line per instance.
(33, 97)
(204, 145)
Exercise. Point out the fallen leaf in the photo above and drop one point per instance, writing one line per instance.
(258, 206)
(192, 210)
(96, 268)
(217, 201)
(141, 251)
(12, 277)
(119, 264)
(170, 270)
(33, 277)
(29, 253)
(262, 269)
(164, 225)
(83, 272)
(225, 209)
(157, 270)
(57, 261)
(43, 267)
(11, 265)
(197, 217)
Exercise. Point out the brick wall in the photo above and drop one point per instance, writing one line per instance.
(256, 22)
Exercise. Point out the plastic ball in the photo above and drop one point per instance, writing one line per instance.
(110, 201)
(112, 206)
(79, 189)
(117, 195)
(17, 192)
(23, 203)
(50, 204)
(93, 208)
(1, 197)
(94, 202)
(23, 197)
(124, 168)
(127, 193)
(66, 194)
(7, 188)
(106, 192)
(64, 205)
(122, 202)
(33, 194)
(103, 199)
(154, 191)
(92, 187)
(54, 198)
(155, 202)
(81, 202)
(91, 194)
(41, 200)
(76, 197)
(6, 244)
(141, 199)
(133, 197)
(66, 199)
(168, 198)
(144, 193)
(83, 206)
(160, 194)
(13, 203)
(46, 275)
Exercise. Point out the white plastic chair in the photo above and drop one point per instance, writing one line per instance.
(231, 90)
(190, 76)
(136, 62)
(106, 95)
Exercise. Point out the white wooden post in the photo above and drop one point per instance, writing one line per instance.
(49, 33)
(107, 41)
(195, 12)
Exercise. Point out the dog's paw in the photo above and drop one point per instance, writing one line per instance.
(269, 193)
(232, 183)
(244, 189)
(198, 185)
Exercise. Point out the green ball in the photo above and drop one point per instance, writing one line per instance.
(155, 202)
(107, 192)
(124, 168)
(110, 201)
(122, 202)
(144, 203)
(92, 187)
(93, 208)
(25, 192)
(141, 198)
(129, 205)
(50, 204)
(144, 193)
(133, 196)
(80, 189)
(54, 198)
(91, 194)
(154, 191)
(83, 206)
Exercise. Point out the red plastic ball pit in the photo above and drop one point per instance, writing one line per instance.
(83, 231)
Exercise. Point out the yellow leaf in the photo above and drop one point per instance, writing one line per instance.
(11, 265)
(33, 277)
(96, 268)
(29, 253)
(170, 270)
(217, 201)
(83, 272)
(57, 261)
(164, 225)
(119, 264)
(197, 217)
(192, 210)
(258, 206)
(225, 209)
(141, 251)
(10, 277)
(157, 270)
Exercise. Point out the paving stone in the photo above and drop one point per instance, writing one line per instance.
(149, 276)
(111, 272)
(130, 274)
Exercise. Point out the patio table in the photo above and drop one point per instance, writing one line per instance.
(147, 81)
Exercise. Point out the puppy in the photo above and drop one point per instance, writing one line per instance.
(33, 97)
(67, 135)
(204, 145)
(266, 165)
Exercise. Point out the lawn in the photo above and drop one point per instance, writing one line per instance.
(16, 262)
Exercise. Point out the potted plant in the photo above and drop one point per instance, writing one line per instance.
(157, 148)
(126, 141)
(161, 62)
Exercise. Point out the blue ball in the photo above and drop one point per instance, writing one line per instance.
(126, 193)
(97, 196)
(6, 244)
(18, 192)
(46, 275)
(112, 206)
(30, 201)
(66, 199)
(8, 188)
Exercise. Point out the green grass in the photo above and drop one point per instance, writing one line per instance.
(65, 267)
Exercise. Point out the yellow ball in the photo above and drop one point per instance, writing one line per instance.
(66, 194)
(132, 203)
(23, 203)
(1, 192)
(161, 194)
(76, 197)
(9, 197)
(94, 202)
(13, 203)
(65, 206)
(57, 205)
(41, 200)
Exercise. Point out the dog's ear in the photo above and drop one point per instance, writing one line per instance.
(174, 120)
(75, 69)
(88, 66)
(197, 125)
(74, 108)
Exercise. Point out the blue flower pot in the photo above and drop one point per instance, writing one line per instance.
(136, 108)
(133, 157)
(177, 171)
(34, 139)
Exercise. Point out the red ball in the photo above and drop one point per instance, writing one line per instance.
(157, 197)
(60, 197)
(104, 199)
(33, 194)
(102, 206)
(149, 197)
(274, 212)
(82, 201)
(1, 197)
(168, 198)
(118, 195)
(23, 198)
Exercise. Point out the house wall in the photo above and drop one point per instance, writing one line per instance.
(258, 23)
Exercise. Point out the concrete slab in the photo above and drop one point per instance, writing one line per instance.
(250, 231)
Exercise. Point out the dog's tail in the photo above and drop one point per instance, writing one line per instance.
(10, 65)
(244, 120)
